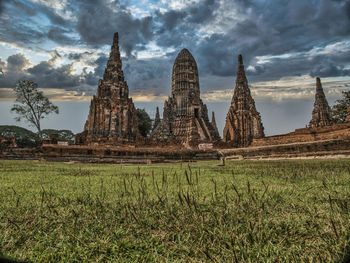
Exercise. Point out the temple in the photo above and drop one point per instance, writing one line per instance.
(185, 117)
(321, 114)
(156, 119)
(112, 116)
(243, 121)
(213, 122)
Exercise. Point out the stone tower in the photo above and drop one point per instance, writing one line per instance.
(112, 116)
(213, 122)
(321, 114)
(185, 117)
(243, 121)
(156, 119)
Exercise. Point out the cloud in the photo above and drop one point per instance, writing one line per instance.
(148, 75)
(60, 36)
(278, 39)
(19, 25)
(1, 6)
(45, 73)
(98, 20)
(16, 63)
(329, 70)
(78, 56)
(92, 78)
(13, 70)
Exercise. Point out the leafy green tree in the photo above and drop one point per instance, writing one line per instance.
(32, 105)
(340, 108)
(24, 138)
(63, 135)
(145, 122)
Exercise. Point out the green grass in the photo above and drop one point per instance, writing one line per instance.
(247, 211)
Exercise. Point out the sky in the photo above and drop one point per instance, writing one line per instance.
(64, 46)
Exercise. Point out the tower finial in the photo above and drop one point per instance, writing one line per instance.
(240, 59)
(318, 83)
(115, 38)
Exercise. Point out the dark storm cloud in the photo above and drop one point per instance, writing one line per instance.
(170, 20)
(202, 12)
(59, 35)
(149, 75)
(215, 60)
(98, 20)
(276, 28)
(329, 70)
(17, 62)
(13, 70)
(20, 34)
(30, 9)
(19, 24)
(1, 6)
(332, 65)
(179, 27)
(46, 74)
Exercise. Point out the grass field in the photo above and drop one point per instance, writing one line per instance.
(246, 211)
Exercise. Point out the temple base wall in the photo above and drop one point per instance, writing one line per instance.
(101, 154)
(328, 148)
(334, 132)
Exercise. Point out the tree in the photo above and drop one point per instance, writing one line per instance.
(32, 105)
(24, 138)
(63, 135)
(145, 122)
(340, 108)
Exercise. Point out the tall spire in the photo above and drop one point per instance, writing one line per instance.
(213, 122)
(241, 78)
(113, 83)
(321, 114)
(243, 121)
(112, 117)
(156, 119)
(113, 71)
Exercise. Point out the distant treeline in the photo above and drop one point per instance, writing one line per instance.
(26, 138)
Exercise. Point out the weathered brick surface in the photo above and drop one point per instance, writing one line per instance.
(243, 121)
(185, 117)
(339, 131)
(321, 114)
(124, 155)
(112, 117)
(306, 149)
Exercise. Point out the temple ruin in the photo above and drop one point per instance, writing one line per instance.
(112, 116)
(321, 114)
(213, 122)
(185, 117)
(156, 119)
(243, 121)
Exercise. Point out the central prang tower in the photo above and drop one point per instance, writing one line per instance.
(185, 117)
